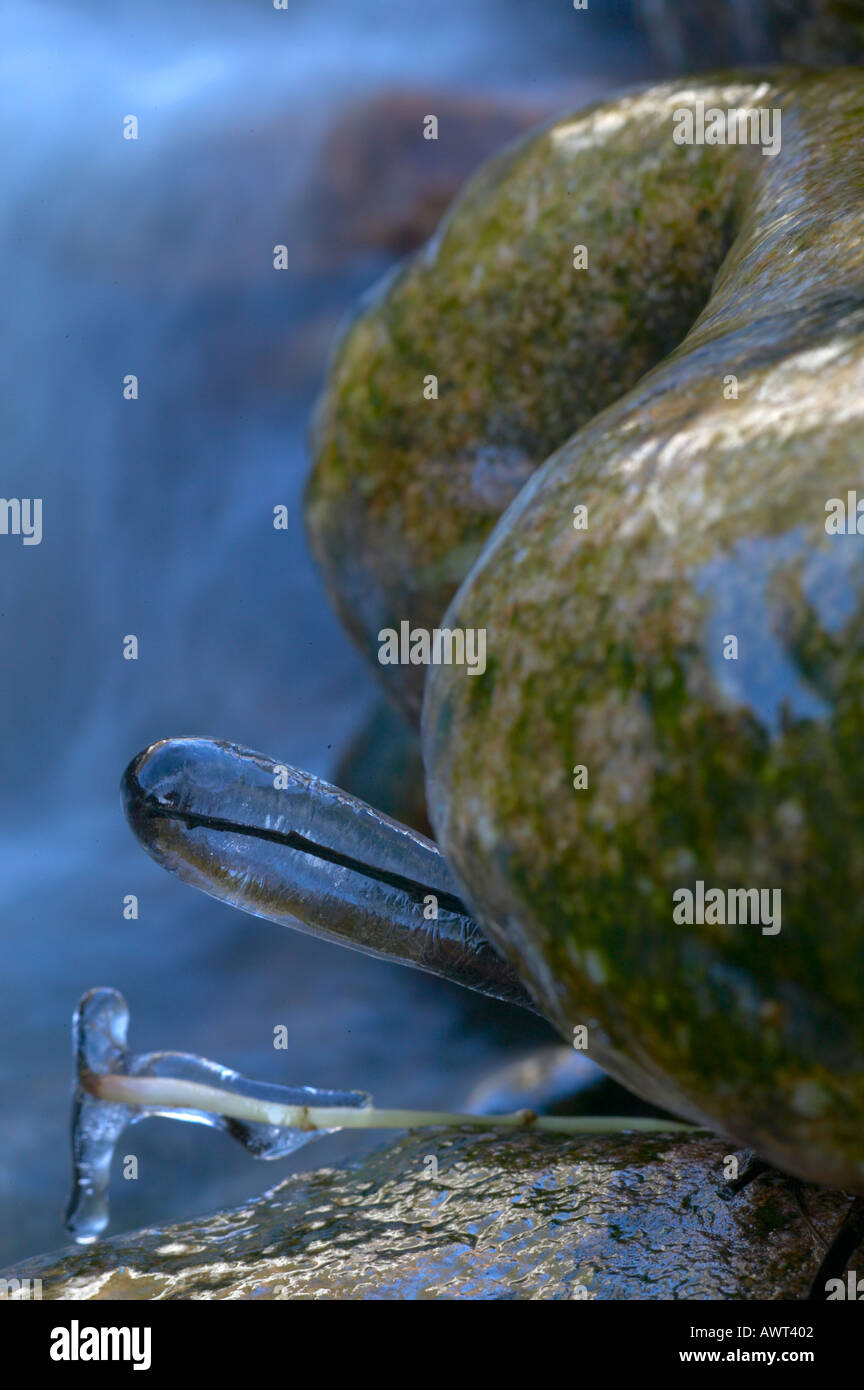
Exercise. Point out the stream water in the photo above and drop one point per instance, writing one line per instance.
(154, 258)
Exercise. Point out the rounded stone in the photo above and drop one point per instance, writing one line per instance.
(698, 648)
(460, 1215)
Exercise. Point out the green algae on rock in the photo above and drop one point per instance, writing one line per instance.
(521, 1218)
(525, 347)
(608, 649)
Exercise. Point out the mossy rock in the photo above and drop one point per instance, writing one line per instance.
(525, 348)
(503, 1217)
(731, 762)
(738, 279)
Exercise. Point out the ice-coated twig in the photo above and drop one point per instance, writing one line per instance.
(164, 1092)
(102, 1060)
(115, 1089)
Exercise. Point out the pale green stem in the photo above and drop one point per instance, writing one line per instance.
(170, 1092)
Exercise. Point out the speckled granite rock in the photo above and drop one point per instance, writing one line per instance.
(515, 1218)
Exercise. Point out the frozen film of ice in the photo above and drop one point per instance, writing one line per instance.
(114, 1090)
(100, 1028)
(281, 844)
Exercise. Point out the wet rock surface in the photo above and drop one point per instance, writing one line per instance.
(697, 648)
(460, 1216)
(694, 640)
(524, 347)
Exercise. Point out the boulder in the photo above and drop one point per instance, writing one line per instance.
(653, 797)
(460, 1215)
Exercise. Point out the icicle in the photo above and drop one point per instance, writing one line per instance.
(115, 1089)
(98, 1118)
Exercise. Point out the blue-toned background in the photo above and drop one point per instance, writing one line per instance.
(155, 257)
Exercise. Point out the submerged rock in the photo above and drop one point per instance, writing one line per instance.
(481, 1217)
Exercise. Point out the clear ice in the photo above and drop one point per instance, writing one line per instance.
(280, 844)
(100, 1029)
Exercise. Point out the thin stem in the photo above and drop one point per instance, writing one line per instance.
(167, 1092)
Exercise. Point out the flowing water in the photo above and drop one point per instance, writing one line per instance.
(155, 257)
